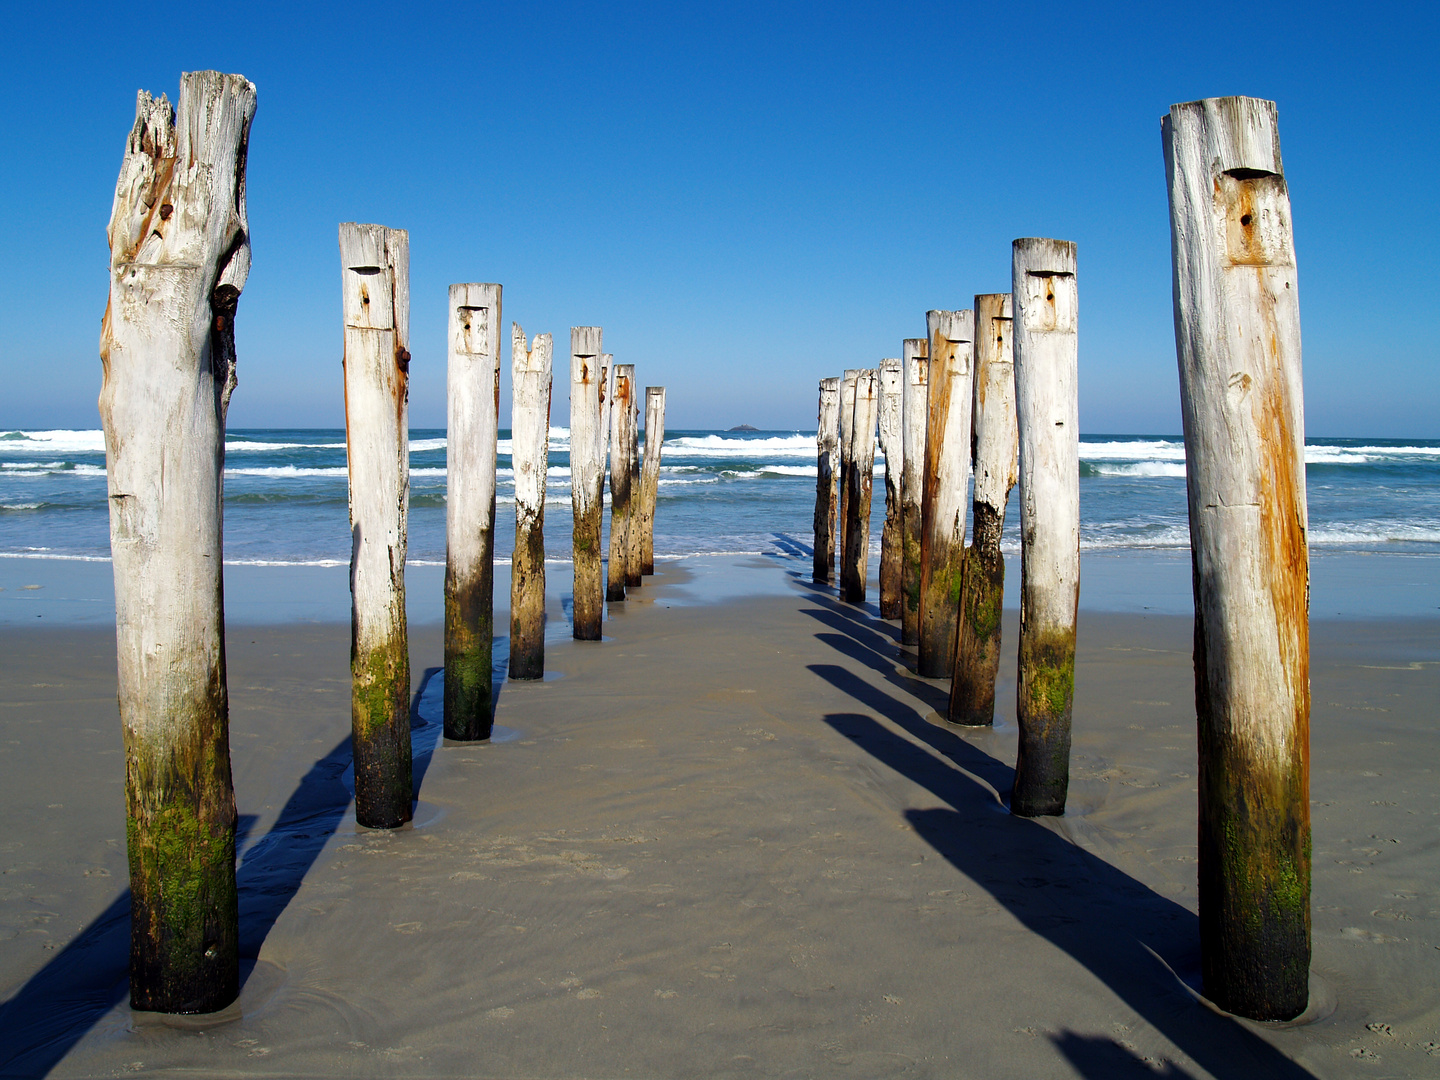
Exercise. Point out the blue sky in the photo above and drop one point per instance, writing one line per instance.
(747, 197)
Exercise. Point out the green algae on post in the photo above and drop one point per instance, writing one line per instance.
(473, 396)
(530, 443)
(1237, 335)
(375, 279)
(891, 550)
(587, 478)
(996, 449)
(622, 418)
(913, 408)
(1047, 419)
(179, 257)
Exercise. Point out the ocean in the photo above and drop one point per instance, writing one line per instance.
(720, 493)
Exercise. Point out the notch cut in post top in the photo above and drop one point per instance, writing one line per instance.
(830, 386)
(1044, 274)
(474, 305)
(956, 327)
(1240, 135)
(375, 273)
(1004, 301)
(585, 341)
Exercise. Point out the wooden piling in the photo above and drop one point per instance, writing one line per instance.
(376, 293)
(587, 479)
(891, 381)
(621, 418)
(847, 421)
(914, 413)
(179, 256)
(650, 474)
(530, 373)
(633, 576)
(1237, 334)
(854, 564)
(1048, 421)
(950, 389)
(827, 481)
(994, 460)
(473, 410)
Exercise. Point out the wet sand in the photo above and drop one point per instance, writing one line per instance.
(731, 840)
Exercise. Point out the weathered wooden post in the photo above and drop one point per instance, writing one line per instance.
(530, 455)
(375, 280)
(847, 426)
(1048, 421)
(854, 564)
(950, 389)
(621, 418)
(633, 577)
(892, 379)
(587, 478)
(607, 402)
(650, 475)
(1237, 336)
(179, 256)
(473, 396)
(827, 481)
(995, 445)
(914, 411)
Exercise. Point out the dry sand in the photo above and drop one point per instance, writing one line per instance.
(731, 840)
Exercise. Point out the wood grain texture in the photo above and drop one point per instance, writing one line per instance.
(530, 381)
(622, 419)
(375, 277)
(949, 392)
(892, 378)
(650, 474)
(587, 478)
(995, 443)
(179, 257)
(914, 415)
(827, 481)
(854, 565)
(634, 578)
(1237, 337)
(472, 384)
(1048, 421)
(847, 421)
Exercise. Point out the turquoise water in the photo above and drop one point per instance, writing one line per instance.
(720, 493)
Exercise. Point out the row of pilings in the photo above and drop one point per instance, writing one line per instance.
(992, 392)
(179, 259)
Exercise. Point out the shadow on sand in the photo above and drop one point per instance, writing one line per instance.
(1102, 917)
(52, 1012)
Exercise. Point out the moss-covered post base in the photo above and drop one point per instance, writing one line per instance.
(589, 573)
(469, 639)
(530, 453)
(527, 605)
(380, 733)
(184, 918)
(977, 632)
(1045, 694)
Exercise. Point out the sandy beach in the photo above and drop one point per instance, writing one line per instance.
(733, 839)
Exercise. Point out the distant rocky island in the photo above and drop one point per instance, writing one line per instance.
(743, 427)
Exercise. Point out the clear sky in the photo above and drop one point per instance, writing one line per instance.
(747, 197)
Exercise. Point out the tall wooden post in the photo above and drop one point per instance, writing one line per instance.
(996, 447)
(633, 576)
(621, 418)
(892, 379)
(179, 256)
(1237, 337)
(847, 425)
(1048, 420)
(375, 277)
(914, 413)
(473, 397)
(827, 481)
(860, 476)
(607, 406)
(587, 479)
(950, 387)
(650, 474)
(530, 454)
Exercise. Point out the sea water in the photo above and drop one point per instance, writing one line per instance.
(720, 493)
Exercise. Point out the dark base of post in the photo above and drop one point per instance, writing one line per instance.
(1045, 696)
(1254, 878)
(380, 738)
(184, 954)
(614, 594)
(977, 633)
(469, 637)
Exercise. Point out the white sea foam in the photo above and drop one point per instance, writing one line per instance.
(718, 446)
(53, 442)
(1139, 468)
